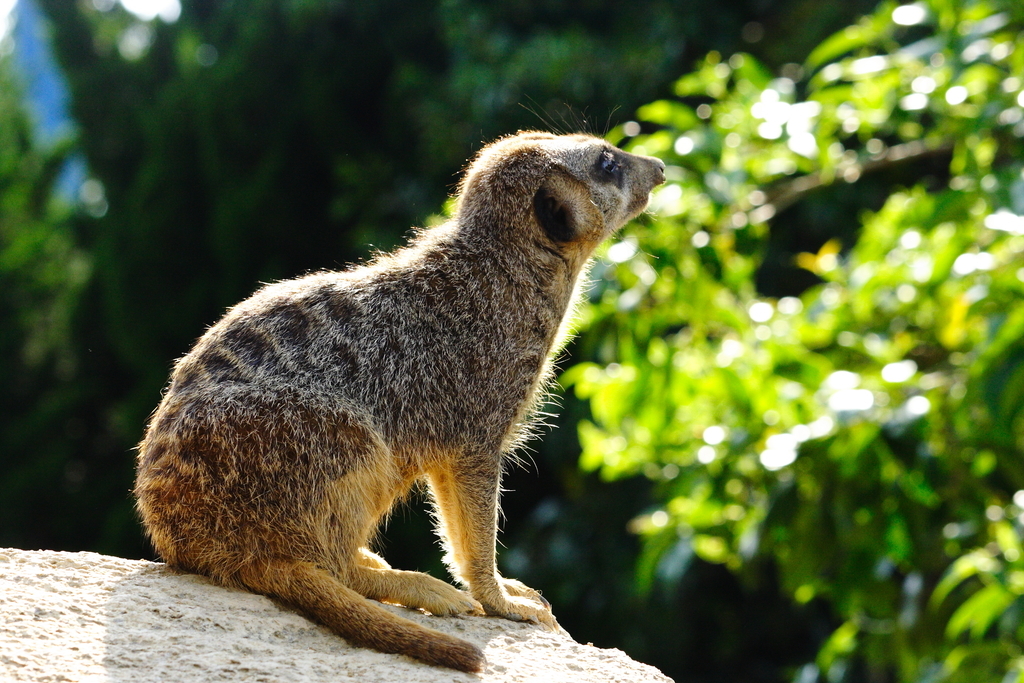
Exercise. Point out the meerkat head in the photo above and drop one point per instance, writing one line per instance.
(567, 190)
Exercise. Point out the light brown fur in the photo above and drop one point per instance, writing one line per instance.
(293, 425)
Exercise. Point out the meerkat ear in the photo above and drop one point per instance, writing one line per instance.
(553, 215)
(565, 210)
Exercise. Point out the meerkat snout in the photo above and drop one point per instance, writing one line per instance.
(295, 422)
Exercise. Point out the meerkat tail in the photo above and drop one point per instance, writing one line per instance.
(352, 616)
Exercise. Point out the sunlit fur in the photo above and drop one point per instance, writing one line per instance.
(295, 423)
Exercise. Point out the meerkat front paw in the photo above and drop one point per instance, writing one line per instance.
(520, 589)
(518, 602)
(516, 608)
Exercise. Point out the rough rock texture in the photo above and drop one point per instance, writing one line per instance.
(89, 617)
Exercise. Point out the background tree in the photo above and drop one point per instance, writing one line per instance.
(864, 439)
(42, 275)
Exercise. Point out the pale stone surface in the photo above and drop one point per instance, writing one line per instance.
(89, 617)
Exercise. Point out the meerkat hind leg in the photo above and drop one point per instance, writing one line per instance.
(374, 578)
(368, 558)
(413, 589)
(362, 499)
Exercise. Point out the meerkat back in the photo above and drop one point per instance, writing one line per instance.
(297, 421)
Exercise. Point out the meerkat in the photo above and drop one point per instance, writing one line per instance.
(295, 422)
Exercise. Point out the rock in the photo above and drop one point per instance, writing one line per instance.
(89, 617)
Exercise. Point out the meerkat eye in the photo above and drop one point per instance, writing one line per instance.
(608, 163)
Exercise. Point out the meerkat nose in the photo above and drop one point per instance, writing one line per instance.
(660, 165)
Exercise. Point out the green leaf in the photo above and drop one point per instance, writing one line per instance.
(691, 84)
(668, 113)
(979, 561)
(980, 611)
(837, 45)
(841, 643)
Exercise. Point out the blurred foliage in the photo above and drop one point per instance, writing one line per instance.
(42, 273)
(865, 436)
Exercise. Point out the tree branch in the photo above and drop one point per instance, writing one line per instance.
(785, 195)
